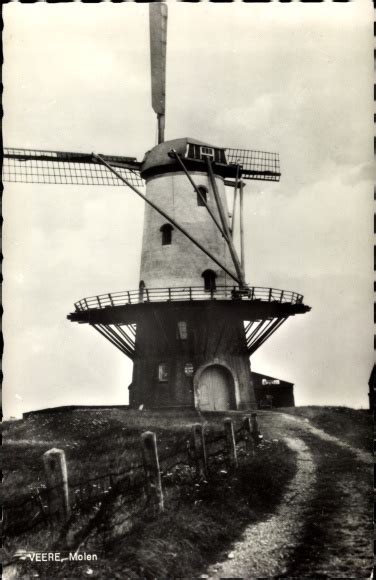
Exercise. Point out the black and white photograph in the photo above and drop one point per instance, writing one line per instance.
(189, 365)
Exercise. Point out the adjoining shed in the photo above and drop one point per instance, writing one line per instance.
(271, 392)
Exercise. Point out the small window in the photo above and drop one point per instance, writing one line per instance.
(203, 197)
(209, 280)
(166, 230)
(162, 373)
(182, 331)
(206, 152)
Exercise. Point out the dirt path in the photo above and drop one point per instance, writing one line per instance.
(263, 551)
(323, 528)
(305, 424)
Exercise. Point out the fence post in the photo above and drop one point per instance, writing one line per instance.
(247, 433)
(151, 466)
(230, 443)
(55, 468)
(199, 448)
(255, 429)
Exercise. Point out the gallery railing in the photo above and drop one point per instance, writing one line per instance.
(188, 293)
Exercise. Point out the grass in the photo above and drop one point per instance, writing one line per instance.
(354, 426)
(95, 442)
(200, 522)
(201, 519)
(204, 528)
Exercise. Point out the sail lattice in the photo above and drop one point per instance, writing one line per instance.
(58, 167)
(259, 165)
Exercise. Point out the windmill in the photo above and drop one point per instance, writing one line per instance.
(193, 322)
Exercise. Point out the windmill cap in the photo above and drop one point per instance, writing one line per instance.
(159, 158)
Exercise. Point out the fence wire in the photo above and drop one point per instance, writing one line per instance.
(127, 486)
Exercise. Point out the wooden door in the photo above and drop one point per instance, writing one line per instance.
(216, 387)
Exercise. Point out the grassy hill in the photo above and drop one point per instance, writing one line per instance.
(96, 441)
(202, 519)
(355, 426)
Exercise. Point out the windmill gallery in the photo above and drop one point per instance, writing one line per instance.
(193, 322)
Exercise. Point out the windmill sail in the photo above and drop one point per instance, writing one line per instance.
(37, 166)
(158, 43)
(260, 165)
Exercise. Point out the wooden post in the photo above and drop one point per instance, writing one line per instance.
(255, 428)
(242, 260)
(234, 203)
(247, 433)
(230, 443)
(55, 468)
(199, 448)
(151, 466)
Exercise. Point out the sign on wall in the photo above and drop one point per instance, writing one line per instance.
(188, 369)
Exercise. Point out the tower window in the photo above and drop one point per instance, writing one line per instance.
(204, 195)
(182, 331)
(209, 280)
(166, 230)
(206, 152)
(162, 372)
(195, 151)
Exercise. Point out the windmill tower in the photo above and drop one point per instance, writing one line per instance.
(193, 322)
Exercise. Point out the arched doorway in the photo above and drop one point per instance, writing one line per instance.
(216, 389)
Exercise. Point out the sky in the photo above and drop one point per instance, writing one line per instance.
(295, 79)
